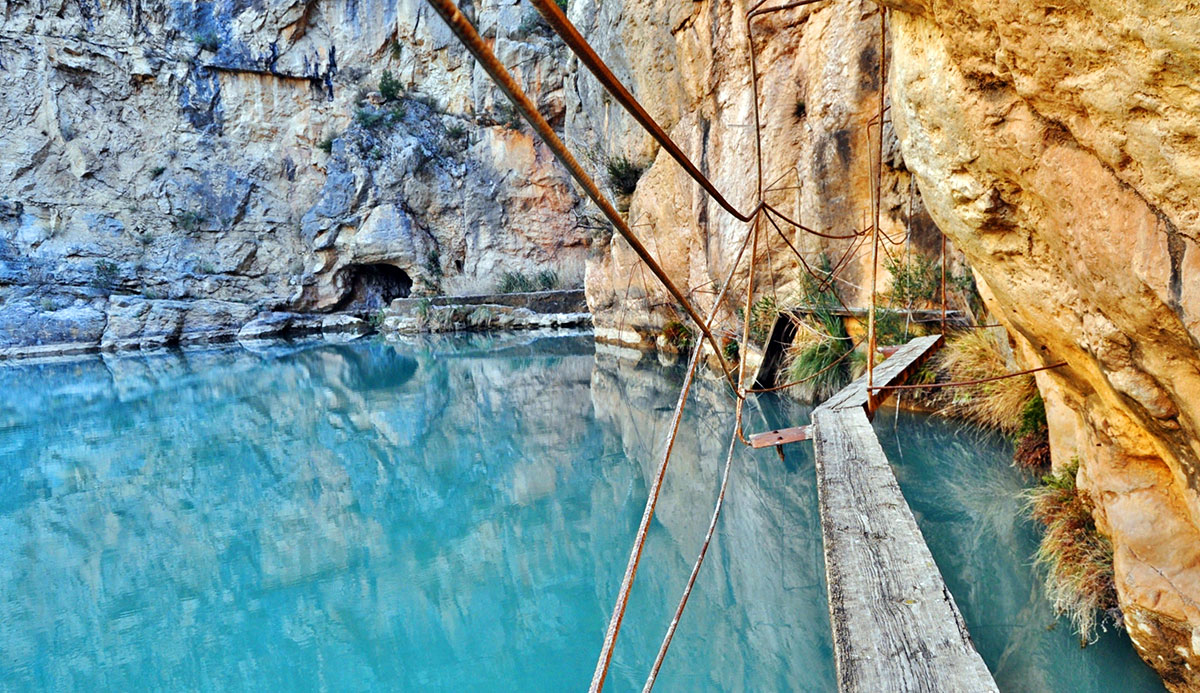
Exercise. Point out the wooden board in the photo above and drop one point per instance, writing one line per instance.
(892, 371)
(895, 624)
(781, 436)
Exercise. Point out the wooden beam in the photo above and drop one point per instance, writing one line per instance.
(781, 436)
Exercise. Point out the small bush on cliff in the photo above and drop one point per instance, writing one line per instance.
(326, 144)
(190, 220)
(678, 335)
(1078, 560)
(105, 275)
(390, 87)
(207, 40)
(916, 280)
(801, 110)
(623, 175)
(456, 131)
(1033, 436)
(975, 355)
(547, 280)
(369, 118)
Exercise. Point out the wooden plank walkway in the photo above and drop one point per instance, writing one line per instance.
(895, 625)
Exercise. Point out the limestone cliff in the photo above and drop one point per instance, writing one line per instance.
(689, 65)
(170, 170)
(1056, 144)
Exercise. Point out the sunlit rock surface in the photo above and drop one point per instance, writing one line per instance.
(1057, 146)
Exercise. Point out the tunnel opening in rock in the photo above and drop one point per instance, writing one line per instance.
(372, 287)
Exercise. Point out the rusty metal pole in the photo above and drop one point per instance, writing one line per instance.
(878, 192)
(478, 48)
(943, 283)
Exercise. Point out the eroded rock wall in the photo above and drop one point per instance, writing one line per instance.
(1056, 145)
(689, 65)
(163, 153)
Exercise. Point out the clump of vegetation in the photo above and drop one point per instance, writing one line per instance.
(207, 40)
(390, 87)
(821, 355)
(371, 118)
(190, 220)
(762, 318)
(532, 23)
(801, 111)
(504, 113)
(975, 355)
(1033, 436)
(678, 335)
(890, 327)
(456, 131)
(105, 275)
(516, 283)
(916, 280)
(623, 175)
(730, 349)
(547, 280)
(157, 171)
(326, 144)
(1078, 560)
(433, 262)
(375, 319)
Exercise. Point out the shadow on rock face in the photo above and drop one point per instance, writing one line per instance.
(372, 287)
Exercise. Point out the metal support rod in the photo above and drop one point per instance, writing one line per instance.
(474, 43)
(877, 189)
(943, 283)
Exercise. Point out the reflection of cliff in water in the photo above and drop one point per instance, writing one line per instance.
(762, 583)
(428, 517)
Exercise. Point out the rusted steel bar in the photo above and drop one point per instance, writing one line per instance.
(943, 283)
(965, 383)
(474, 43)
(876, 203)
(579, 45)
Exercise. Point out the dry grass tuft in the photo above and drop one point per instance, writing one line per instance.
(1078, 560)
(978, 354)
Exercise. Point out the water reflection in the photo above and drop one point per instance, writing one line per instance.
(966, 497)
(446, 515)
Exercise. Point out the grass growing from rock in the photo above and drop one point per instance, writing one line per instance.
(1033, 436)
(1078, 560)
(390, 87)
(975, 355)
(519, 282)
(623, 175)
(678, 335)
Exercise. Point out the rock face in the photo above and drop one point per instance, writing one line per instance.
(689, 65)
(234, 154)
(1056, 144)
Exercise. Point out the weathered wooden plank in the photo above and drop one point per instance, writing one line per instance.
(892, 371)
(781, 436)
(783, 332)
(895, 625)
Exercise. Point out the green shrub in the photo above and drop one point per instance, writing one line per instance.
(105, 275)
(623, 175)
(370, 118)
(801, 110)
(157, 171)
(390, 87)
(547, 280)
(326, 144)
(456, 131)
(730, 349)
(207, 40)
(1078, 560)
(375, 320)
(516, 283)
(433, 262)
(678, 335)
(916, 280)
(189, 220)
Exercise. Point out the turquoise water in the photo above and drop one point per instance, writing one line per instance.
(451, 515)
(965, 497)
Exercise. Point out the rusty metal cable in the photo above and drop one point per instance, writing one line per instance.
(587, 55)
(618, 615)
(965, 383)
(478, 48)
(687, 591)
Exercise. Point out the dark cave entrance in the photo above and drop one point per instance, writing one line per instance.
(372, 287)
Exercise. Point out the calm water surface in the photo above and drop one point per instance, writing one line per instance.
(452, 515)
